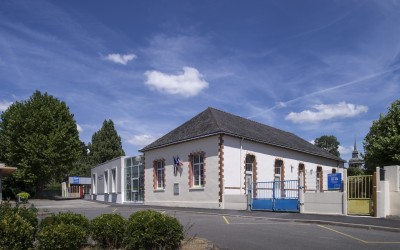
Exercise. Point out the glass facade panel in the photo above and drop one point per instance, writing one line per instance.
(134, 172)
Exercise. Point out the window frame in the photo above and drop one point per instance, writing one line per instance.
(200, 169)
(159, 174)
(94, 183)
(105, 181)
(114, 180)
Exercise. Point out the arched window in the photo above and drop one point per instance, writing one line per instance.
(279, 170)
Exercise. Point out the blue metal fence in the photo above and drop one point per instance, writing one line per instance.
(276, 196)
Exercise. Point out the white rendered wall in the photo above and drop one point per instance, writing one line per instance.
(392, 203)
(324, 203)
(235, 151)
(109, 196)
(207, 197)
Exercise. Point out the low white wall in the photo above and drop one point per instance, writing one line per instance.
(324, 203)
(395, 203)
(235, 202)
(390, 193)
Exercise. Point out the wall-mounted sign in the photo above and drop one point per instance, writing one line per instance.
(335, 181)
(100, 177)
(75, 180)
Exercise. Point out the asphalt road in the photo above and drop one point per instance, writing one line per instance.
(233, 231)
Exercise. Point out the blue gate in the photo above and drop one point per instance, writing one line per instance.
(276, 196)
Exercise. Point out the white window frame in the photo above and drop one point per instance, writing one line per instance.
(94, 183)
(160, 168)
(200, 167)
(114, 180)
(106, 188)
(277, 176)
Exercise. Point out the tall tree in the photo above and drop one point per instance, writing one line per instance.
(382, 143)
(106, 144)
(329, 143)
(39, 136)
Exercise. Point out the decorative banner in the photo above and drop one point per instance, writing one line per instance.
(177, 163)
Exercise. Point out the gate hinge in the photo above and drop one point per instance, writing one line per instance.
(301, 204)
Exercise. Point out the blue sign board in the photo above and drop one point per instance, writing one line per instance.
(334, 181)
(75, 180)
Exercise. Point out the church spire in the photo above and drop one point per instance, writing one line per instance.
(355, 161)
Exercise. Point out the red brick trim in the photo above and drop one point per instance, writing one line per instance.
(154, 175)
(190, 170)
(221, 166)
(302, 172)
(321, 180)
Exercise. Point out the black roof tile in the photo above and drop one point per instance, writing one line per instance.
(213, 121)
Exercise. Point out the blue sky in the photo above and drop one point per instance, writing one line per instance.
(309, 67)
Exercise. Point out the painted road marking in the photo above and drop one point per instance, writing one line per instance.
(226, 220)
(355, 238)
(347, 235)
(115, 210)
(163, 212)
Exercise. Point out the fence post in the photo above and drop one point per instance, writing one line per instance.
(344, 197)
(377, 193)
(301, 193)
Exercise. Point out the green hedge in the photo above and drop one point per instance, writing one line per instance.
(16, 232)
(17, 226)
(108, 230)
(61, 236)
(153, 230)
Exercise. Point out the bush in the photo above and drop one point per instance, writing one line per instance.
(153, 230)
(23, 197)
(16, 232)
(61, 236)
(5, 209)
(67, 218)
(108, 230)
(29, 214)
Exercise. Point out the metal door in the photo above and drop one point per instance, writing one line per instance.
(360, 195)
(276, 196)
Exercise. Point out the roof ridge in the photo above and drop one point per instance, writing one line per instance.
(241, 117)
(211, 109)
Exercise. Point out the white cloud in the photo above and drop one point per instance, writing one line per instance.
(121, 59)
(327, 112)
(142, 140)
(80, 129)
(189, 83)
(345, 150)
(4, 105)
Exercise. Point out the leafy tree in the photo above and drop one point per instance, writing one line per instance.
(39, 136)
(353, 171)
(106, 144)
(82, 166)
(329, 143)
(382, 143)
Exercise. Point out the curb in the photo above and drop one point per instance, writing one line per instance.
(322, 222)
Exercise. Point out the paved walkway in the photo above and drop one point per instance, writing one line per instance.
(388, 224)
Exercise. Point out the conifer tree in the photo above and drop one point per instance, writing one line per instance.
(106, 144)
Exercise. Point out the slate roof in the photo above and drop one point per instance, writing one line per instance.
(213, 121)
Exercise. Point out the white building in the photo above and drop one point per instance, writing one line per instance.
(221, 154)
(120, 180)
